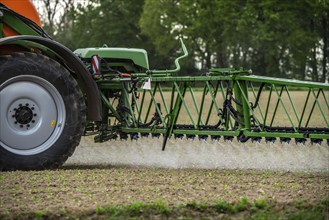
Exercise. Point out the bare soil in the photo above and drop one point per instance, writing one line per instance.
(80, 189)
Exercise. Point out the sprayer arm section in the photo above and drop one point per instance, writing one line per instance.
(176, 61)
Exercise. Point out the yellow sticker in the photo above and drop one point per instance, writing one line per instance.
(52, 123)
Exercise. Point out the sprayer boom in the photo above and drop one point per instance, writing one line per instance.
(224, 103)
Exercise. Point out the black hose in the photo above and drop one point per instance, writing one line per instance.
(27, 21)
(258, 96)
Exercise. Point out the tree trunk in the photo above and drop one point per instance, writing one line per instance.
(221, 59)
(325, 48)
(314, 64)
(208, 57)
(313, 61)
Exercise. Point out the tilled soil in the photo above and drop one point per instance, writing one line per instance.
(81, 189)
(126, 172)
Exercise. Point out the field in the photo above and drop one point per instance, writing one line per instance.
(191, 179)
(125, 179)
(100, 192)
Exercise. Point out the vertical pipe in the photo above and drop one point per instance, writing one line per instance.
(258, 106)
(267, 106)
(125, 103)
(304, 108)
(277, 103)
(212, 103)
(201, 106)
(163, 99)
(152, 94)
(106, 109)
(243, 111)
(140, 120)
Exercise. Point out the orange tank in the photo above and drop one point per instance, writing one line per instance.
(23, 7)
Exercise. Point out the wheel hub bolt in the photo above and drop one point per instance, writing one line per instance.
(32, 121)
(23, 115)
(34, 114)
(32, 108)
(28, 125)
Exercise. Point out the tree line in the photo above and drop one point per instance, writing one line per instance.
(272, 37)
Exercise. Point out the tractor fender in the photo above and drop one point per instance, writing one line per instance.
(94, 103)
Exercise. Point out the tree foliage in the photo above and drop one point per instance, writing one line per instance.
(271, 37)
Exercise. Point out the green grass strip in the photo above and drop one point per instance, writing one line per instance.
(241, 209)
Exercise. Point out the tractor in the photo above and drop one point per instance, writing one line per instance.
(51, 96)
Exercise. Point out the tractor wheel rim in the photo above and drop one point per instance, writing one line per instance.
(32, 115)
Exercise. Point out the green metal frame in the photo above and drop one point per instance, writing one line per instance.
(225, 103)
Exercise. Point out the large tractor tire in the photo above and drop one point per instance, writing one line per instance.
(42, 112)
